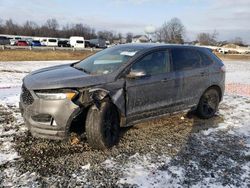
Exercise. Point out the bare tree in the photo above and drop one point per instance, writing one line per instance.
(159, 35)
(1, 26)
(51, 28)
(176, 31)
(52, 24)
(11, 28)
(129, 37)
(29, 28)
(238, 41)
(106, 35)
(204, 38)
(207, 38)
(171, 32)
(120, 36)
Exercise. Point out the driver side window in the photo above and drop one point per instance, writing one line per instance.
(154, 63)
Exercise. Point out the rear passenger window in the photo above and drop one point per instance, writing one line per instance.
(185, 59)
(205, 59)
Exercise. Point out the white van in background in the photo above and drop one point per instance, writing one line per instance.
(13, 40)
(77, 42)
(49, 42)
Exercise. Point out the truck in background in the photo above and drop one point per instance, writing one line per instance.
(53, 42)
(97, 43)
(4, 40)
(77, 42)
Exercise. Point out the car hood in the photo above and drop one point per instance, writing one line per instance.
(62, 76)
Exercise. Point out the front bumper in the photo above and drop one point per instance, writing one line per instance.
(48, 119)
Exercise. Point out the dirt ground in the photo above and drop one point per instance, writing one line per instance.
(26, 55)
(226, 57)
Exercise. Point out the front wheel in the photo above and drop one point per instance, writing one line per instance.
(208, 104)
(102, 126)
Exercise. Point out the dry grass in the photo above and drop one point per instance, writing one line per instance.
(26, 55)
(233, 56)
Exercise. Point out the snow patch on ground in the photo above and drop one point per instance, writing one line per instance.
(235, 111)
(237, 120)
(237, 72)
(12, 73)
(139, 170)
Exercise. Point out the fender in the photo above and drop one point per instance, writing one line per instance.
(117, 97)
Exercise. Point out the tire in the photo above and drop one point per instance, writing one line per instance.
(103, 126)
(208, 104)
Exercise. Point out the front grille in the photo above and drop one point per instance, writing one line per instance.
(26, 96)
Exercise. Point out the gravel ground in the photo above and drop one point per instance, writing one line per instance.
(174, 151)
(181, 141)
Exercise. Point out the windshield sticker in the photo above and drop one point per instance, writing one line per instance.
(128, 53)
(103, 62)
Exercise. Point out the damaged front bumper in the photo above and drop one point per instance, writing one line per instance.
(50, 119)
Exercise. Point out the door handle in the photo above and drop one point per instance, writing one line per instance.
(204, 73)
(164, 80)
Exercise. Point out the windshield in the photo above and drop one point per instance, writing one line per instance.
(52, 40)
(108, 60)
(79, 41)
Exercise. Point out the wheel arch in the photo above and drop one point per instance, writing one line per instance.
(217, 88)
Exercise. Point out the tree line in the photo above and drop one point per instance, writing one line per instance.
(172, 31)
(51, 28)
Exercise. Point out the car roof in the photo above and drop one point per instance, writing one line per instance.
(160, 45)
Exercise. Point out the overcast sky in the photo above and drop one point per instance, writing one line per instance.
(231, 18)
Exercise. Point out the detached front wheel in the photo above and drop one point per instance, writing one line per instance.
(103, 126)
(208, 104)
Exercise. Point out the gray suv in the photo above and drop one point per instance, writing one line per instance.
(119, 87)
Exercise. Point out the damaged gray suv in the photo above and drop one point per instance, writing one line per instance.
(119, 87)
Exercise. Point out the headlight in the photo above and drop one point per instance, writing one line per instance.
(56, 96)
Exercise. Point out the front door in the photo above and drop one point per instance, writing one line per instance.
(155, 90)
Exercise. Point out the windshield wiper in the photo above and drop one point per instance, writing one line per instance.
(82, 69)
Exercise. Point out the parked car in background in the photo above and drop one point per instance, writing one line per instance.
(107, 43)
(77, 42)
(52, 42)
(35, 43)
(14, 40)
(97, 43)
(4, 40)
(63, 43)
(87, 44)
(223, 50)
(121, 86)
(22, 43)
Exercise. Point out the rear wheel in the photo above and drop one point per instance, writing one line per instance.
(208, 104)
(102, 126)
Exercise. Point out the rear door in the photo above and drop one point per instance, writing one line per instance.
(155, 90)
(188, 63)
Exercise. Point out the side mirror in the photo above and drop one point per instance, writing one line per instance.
(136, 74)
